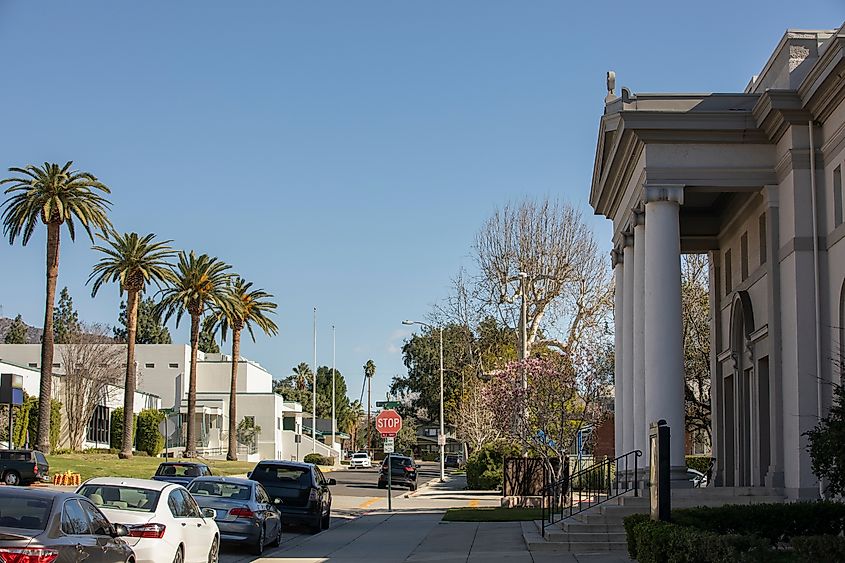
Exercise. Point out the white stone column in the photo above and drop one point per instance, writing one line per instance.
(639, 387)
(618, 393)
(628, 344)
(664, 356)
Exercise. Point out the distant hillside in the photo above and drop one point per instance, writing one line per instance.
(33, 334)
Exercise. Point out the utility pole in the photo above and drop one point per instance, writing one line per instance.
(334, 377)
(314, 391)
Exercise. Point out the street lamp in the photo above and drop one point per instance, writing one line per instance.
(441, 439)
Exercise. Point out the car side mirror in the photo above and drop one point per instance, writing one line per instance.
(208, 513)
(119, 531)
(249, 475)
(332, 482)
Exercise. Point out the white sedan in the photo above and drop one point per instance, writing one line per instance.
(165, 523)
(360, 459)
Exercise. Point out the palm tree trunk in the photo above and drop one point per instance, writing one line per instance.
(48, 339)
(130, 383)
(190, 438)
(233, 390)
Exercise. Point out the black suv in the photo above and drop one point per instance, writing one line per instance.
(402, 471)
(303, 491)
(22, 467)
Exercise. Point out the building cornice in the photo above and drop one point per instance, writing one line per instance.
(823, 89)
(777, 110)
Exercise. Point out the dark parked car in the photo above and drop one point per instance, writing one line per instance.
(303, 491)
(402, 470)
(50, 525)
(22, 467)
(453, 460)
(181, 473)
(243, 510)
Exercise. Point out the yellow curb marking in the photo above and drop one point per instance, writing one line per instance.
(369, 502)
(474, 503)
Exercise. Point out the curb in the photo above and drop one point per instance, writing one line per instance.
(420, 489)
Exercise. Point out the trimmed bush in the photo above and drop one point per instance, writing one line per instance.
(698, 462)
(485, 466)
(318, 459)
(149, 439)
(819, 548)
(744, 533)
(116, 429)
(429, 456)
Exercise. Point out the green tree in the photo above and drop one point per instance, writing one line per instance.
(54, 195)
(245, 308)
(149, 329)
(207, 343)
(198, 285)
(150, 439)
(825, 445)
(131, 261)
(17, 332)
(324, 392)
(302, 374)
(65, 319)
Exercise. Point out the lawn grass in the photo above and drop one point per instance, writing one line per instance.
(142, 467)
(492, 514)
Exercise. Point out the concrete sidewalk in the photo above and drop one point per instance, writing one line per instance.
(420, 536)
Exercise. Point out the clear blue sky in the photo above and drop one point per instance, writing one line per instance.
(340, 154)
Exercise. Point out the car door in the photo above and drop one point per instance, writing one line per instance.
(82, 544)
(101, 529)
(196, 532)
(325, 493)
(272, 516)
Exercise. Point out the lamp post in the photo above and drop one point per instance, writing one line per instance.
(314, 391)
(441, 439)
(334, 377)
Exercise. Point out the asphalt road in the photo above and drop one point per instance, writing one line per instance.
(364, 482)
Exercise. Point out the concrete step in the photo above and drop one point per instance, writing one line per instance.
(577, 527)
(584, 537)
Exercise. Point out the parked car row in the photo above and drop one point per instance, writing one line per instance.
(181, 515)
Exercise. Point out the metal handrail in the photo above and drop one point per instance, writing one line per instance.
(595, 485)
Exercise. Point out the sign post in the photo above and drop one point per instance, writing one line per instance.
(388, 424)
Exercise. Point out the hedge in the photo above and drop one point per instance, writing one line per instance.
(318, 459)
(485, 466)
(148, 438)
(743, 533)
(699, 462)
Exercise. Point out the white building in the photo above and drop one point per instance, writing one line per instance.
(98, 430)
(163, 370)
(754, 179)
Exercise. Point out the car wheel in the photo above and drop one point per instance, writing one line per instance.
(179, 558)
(327, 519)
(214, 553)
(258, 548)
(12, 478)
(317, 526)
(278, 540)
(382, 486)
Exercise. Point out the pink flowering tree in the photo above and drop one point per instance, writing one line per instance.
(564, 394)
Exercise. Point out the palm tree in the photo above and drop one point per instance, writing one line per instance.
(55, 195)
(132, 261)
(350, 419)
(244, 308)
(303, 375)
(197, 286)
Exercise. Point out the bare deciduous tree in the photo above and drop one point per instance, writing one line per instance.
(695, 300)
(567, 281)
(477, 424)
(91, 364)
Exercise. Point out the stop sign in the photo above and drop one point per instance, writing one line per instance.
(388, 422)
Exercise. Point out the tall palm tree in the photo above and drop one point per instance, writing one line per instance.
(198, 285)
(132, 261)
(244, 308)
(303, 375)
(55, 195)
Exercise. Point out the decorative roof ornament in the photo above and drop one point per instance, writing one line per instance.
(611, 87)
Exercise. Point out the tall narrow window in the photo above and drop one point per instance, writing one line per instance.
(728, 281)
(743, 255)
(837, 196)
(764, 249)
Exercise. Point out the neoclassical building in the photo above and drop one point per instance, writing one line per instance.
(753, 179)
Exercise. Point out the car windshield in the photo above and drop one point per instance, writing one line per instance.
(360, 456)
(118, 497)
(399, 462)
(284, 475)
(178, 470)
(231, 491)
(22, 511)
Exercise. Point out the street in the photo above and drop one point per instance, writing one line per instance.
(364, 482)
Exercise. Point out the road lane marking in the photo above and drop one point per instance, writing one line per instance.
(368, 503)
(474, 503)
